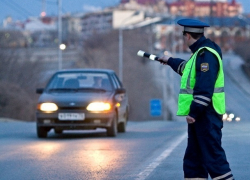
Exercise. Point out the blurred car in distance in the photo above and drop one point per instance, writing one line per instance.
(82, 99)
(231, 116)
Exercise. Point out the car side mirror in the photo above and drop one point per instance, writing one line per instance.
(120, 90)
(39, 90)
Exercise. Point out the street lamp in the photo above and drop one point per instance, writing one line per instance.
(120, 53)
(62, 46)
(121, 28)
(59, 34)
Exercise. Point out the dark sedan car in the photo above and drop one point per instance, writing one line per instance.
(82, 99)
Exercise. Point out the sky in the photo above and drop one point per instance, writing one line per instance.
(22, 9)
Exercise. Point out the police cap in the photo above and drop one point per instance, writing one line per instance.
(192, 25)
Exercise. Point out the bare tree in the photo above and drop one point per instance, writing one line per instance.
(18, 79)
(12, 39)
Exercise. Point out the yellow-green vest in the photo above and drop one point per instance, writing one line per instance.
(188, 82)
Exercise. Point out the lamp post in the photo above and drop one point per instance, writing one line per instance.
(59, 34)
(121, 28)
(121, 54)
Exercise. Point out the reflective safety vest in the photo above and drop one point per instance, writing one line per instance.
(188, 82)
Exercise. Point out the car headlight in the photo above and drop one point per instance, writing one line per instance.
(98, 106)
(48, 107)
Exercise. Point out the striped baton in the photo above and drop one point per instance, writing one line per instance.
(147, 55)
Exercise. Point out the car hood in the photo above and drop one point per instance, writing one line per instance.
(75, 99)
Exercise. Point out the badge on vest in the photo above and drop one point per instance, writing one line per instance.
(204, 67)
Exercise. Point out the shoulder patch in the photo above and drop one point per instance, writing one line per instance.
(204, 67)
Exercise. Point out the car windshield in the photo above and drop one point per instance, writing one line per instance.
(80, 81)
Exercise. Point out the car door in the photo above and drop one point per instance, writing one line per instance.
(121, 97)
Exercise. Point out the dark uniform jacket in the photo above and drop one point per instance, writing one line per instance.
(205, 81)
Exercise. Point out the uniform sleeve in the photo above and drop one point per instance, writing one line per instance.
(207, 67)
(177, 64)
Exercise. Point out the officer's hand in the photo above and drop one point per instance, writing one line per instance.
(164, 59)
(190, 120)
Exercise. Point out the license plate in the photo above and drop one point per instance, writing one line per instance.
(71, 116)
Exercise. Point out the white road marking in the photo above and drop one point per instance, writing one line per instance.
(146, 172)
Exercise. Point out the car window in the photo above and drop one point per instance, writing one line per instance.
(114, 82)
(117, 81)
(80, 80)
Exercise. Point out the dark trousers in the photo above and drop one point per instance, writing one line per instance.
(204, 154)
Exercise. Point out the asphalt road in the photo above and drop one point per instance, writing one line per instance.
(84, 154)
(149, 150)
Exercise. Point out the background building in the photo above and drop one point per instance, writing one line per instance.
(202, 8)
(225, 31)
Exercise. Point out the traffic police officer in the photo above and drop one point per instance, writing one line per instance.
(202, 101)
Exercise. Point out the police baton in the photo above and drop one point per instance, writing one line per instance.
(147, 55)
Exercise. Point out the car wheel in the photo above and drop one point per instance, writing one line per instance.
(41, 132)
(58, 131)
(112, 130)
(122, 125)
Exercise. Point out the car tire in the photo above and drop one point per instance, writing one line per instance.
(58, 131)
(122, 125)
(112, 130)
(41, 132)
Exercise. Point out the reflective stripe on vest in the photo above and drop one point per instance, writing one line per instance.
(188, 82)
(190, 91)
